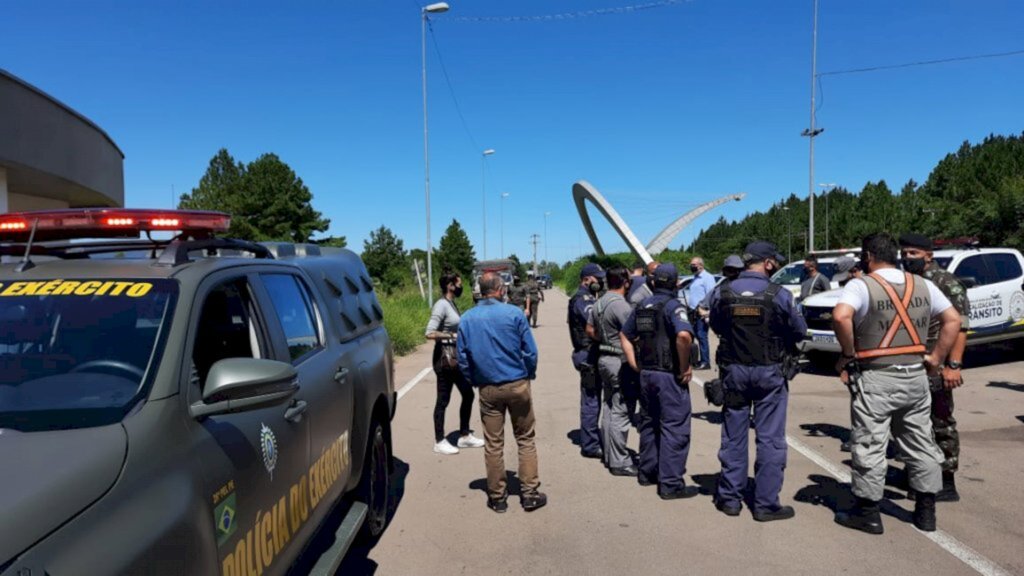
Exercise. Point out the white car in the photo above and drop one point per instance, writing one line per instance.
(995, 287)
(792, 275)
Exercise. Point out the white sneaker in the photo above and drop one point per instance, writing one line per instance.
(445, 447)
(470, 441)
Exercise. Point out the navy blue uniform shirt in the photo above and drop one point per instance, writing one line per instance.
(674, 314)
(789, 323)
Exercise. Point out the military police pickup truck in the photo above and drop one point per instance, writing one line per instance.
(994, 278)
(195, 405)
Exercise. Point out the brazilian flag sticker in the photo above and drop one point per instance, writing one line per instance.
(224, 519)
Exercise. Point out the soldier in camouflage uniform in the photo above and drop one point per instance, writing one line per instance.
(536, 297)
(917, 259)
(518, 295)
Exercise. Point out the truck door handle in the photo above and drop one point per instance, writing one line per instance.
(341, 375)
(295, 411)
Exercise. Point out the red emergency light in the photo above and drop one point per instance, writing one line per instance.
(108, 223)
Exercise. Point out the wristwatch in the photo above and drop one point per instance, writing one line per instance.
(953, 364)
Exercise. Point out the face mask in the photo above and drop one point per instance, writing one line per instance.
(458, 291)
(694, 268)
(914, 265)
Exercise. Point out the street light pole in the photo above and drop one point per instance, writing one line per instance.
(483, 191)
(503, 196)
(828, 188)
(430, 9)
(812, 131)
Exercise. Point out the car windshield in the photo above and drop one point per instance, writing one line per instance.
(76, 353)
(795, 273)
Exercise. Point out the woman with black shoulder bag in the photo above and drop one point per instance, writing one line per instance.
(443, 329)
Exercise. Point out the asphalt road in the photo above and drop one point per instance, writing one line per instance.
(599, 524)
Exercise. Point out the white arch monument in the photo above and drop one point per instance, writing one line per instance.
(583, 192)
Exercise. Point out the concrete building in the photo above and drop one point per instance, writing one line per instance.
(51, 156)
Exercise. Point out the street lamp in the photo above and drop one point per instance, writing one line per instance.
(436, 8)
(828, 189)
(503, 196)
(546, 214)
(483, 191)
(789, 241)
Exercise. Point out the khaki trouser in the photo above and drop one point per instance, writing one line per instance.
(896, 399)
(516, 399)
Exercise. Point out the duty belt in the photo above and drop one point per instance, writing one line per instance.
(610, 350)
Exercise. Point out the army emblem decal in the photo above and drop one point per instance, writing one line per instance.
(269, 445)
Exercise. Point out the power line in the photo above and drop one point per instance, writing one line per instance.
(451, 89)
(922, 63)
(571, 15)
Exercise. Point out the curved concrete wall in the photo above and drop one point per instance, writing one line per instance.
(52, 155)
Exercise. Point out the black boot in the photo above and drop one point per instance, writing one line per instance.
(924, 512)
(948, 492)
(864, 516)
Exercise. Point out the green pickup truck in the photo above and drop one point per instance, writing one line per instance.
(192, 405)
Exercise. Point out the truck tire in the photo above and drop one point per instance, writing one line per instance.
(375, 485)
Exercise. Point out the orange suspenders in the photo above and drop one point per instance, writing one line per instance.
(902, 319)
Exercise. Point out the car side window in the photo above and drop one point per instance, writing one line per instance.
(227, 328)
(294, 307)
(1005, 267)
(974, 267)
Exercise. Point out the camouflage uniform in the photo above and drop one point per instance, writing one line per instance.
(536, 297)
(943, 422)
(517, 295)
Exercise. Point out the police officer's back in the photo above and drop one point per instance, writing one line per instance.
(656, 339)
(584, 358)
(757, 324)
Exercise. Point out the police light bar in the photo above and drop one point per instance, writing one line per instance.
(108, 222)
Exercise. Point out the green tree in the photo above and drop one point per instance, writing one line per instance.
(266, 199)
(455, 252)
(520, 267)
(332, 241)
(219, 188)
(385, 259)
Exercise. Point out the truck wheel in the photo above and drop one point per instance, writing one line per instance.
(375, 486)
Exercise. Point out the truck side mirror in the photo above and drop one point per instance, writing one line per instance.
(240, 384)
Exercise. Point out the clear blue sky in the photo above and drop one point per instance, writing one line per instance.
(660, 109)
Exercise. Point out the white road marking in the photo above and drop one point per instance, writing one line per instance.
(412, 383)
(947, 542)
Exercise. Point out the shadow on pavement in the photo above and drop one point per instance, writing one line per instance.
(574, 437)
(357, 560)
(710, 416)
(1007, 386)
(840, 433)
(708, 483)
(826, 491)
(513, 486)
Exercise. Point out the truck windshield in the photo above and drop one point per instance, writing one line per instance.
(76, 353)
(795, 273)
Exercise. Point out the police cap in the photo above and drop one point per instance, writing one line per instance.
(592, 269)
(912, 240)
(665, 276)
(843, 265)
(733, 261)
(760, 251)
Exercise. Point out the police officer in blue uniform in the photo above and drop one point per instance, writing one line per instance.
(584, 358)
(757, 324)
(656, 340)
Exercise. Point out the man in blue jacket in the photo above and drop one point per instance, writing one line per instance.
(498, 355)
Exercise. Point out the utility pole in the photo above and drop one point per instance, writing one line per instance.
(533, 240)
(812, 131)
(546, 241)
(483, 190)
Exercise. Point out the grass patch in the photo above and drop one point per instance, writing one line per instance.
(406, 316)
